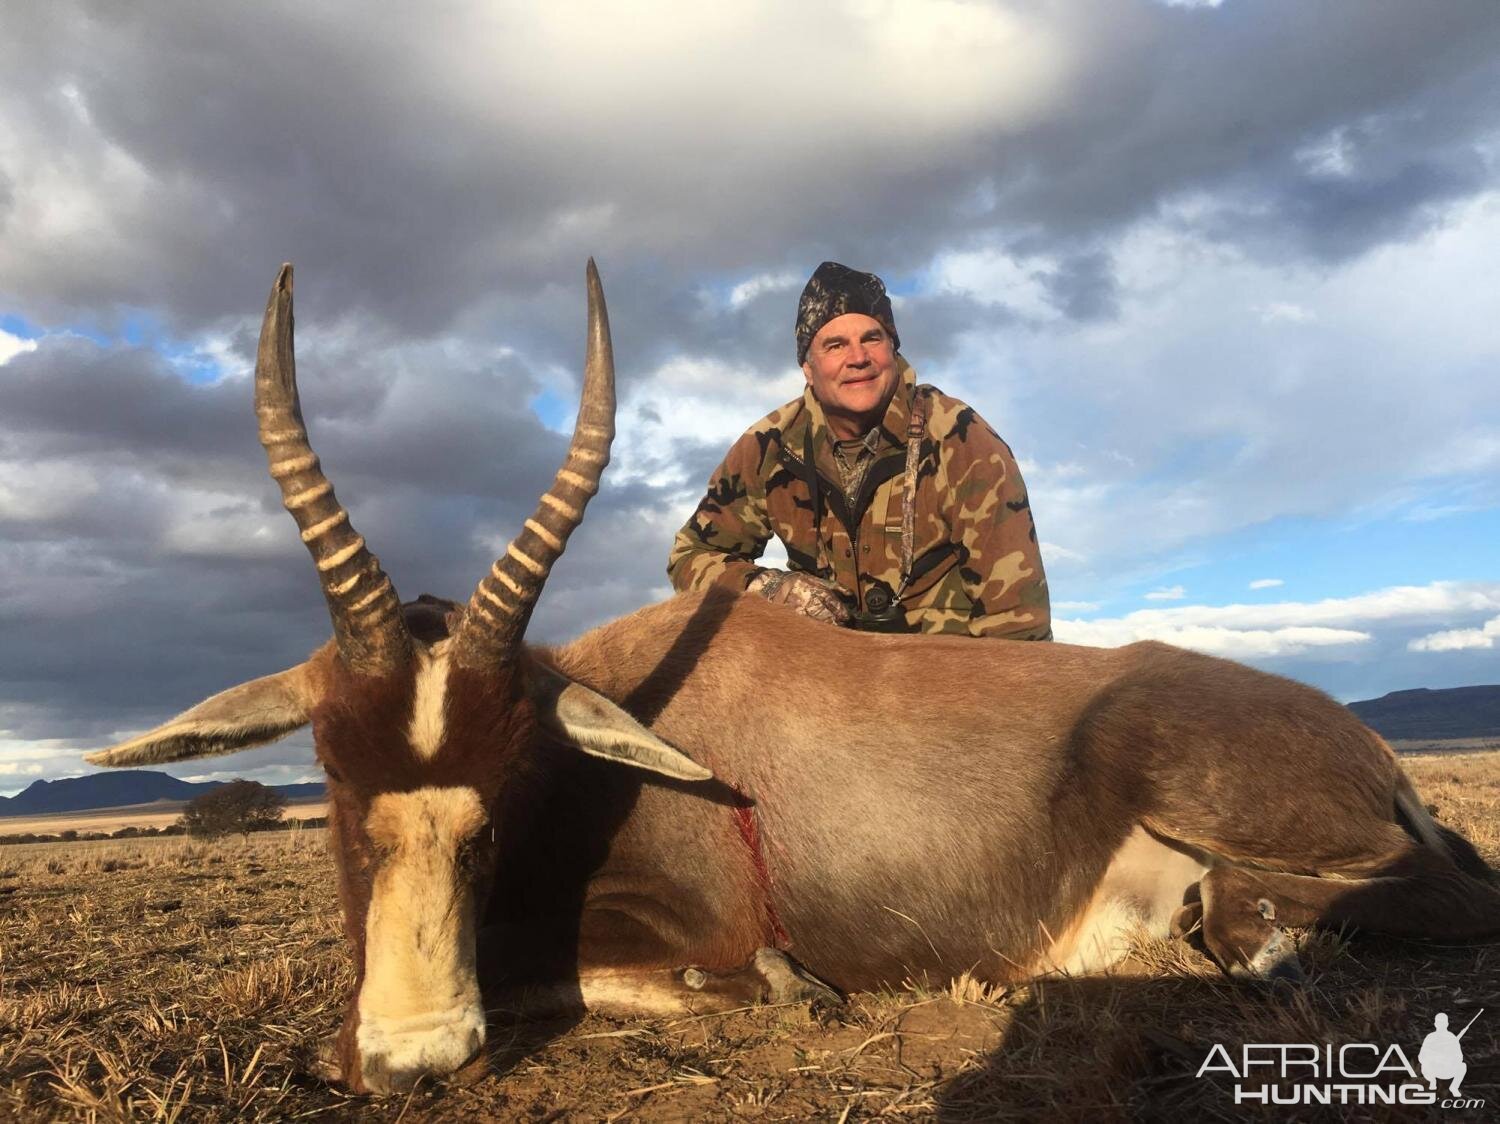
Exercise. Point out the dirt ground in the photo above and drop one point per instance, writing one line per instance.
(163, 979)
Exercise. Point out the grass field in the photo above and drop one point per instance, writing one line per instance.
(171, 980)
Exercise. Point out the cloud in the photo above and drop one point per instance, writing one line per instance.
(1266, 583)
(1286, 628)
(11, 346)
(1287, 312)
(1458, 639)
(1169, 593)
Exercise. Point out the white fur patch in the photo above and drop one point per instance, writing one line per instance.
(1140, 891)
(429, 702)
(419, 1006)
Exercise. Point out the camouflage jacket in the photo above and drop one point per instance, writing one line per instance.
(976, 568)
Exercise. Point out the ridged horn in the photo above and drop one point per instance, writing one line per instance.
(495, 620)
(366, 613)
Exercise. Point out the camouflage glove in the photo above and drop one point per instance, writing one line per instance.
(802, 592)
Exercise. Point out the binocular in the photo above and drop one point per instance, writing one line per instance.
(882, 613)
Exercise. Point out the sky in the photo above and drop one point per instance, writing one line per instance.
(1222, 274)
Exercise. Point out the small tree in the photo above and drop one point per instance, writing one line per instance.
(242, 806)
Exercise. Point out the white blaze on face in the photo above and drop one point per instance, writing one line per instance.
(429, 701)
(419, 1007)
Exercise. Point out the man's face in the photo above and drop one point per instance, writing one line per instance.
(851, 367)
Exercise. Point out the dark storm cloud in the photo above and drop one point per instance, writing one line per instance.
(129, 598)
(223, 140)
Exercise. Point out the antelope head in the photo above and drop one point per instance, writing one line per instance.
(422, 720)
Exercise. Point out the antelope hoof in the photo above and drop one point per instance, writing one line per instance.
(789, 982)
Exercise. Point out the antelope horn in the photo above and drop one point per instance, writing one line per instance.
(502, 603)
(367, 623)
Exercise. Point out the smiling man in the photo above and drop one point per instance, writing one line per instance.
(900, 509)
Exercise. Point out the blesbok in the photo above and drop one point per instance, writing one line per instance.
(882, 807)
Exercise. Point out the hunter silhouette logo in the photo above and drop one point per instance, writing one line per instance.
(1357, 1073)
(1442, 1058)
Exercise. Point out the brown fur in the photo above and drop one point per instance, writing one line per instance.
(931, 805)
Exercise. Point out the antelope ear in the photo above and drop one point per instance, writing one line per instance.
(253, 713)
(598, 727)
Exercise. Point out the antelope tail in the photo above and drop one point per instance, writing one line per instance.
(1413, 815)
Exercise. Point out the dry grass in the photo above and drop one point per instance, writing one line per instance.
(162, 979)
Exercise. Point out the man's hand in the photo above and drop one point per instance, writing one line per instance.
(802, 592)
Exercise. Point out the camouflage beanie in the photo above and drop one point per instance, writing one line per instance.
(834, 290)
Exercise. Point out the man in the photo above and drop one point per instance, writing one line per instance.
(900, 509)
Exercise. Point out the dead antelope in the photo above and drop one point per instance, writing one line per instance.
(752, 784)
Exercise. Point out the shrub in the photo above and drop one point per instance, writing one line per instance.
(239, 806)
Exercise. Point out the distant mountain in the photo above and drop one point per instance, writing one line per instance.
(121, 787)
(1453, 712)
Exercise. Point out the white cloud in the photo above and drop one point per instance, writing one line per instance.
(1458, 639)
(11, 346)
(691, 399)
(1266, 583)
(1052, 553)
(995, 277)
(1285, 312)
(1289, 627)
(1330, 155)
(746, 291)
(23, 761)
(35, 490)
(1168, 593)
(1231, 643)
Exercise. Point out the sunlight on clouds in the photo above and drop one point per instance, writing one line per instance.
(1235, 644)
(22, 761)
(746, 291)
(11, 346)
(50, 489)
(1458, 639)
(1051, 552)
(1330, 155)
(216, 525)
(1285, 311)
(696, 400)
(1289, 627)
(1075, 606)
(994, 277)
(596, 73)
